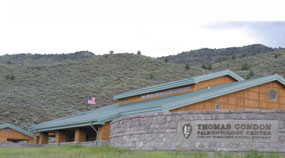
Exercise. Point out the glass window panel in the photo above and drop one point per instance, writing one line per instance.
(217, 106)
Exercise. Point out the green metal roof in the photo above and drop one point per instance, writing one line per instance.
(111, 112)
(179, 83)
(7, 125)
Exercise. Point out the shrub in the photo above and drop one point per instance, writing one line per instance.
(250, 74)
(187, 67)
(139, 52)
(166, 60)
(245, 66)
(210, 67)
(12, 77)
(233, 57)
(204, 67)
(275, 56)
(111, 52)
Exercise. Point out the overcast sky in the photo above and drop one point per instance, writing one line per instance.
(155, 27)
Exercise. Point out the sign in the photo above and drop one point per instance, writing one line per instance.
(228, 130)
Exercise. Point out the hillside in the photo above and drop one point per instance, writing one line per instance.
(261, 65)
(43, 58)
(210, 56)
(32, 92)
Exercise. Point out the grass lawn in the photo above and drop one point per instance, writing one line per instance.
(78, 151)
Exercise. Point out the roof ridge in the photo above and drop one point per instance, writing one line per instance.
(178, 83)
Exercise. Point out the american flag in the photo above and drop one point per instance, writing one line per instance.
(91, 101)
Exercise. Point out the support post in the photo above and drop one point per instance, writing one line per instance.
(44, 138)
(80, 135)
(59, 137)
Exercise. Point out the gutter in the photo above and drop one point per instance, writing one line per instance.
(91, 125)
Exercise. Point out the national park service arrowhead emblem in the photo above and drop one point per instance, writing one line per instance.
(187, 130)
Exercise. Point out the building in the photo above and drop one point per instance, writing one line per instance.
(11, 133)
(222, 90)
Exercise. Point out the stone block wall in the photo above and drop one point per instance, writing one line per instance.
(159, 131)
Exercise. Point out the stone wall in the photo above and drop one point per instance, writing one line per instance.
(159, 131)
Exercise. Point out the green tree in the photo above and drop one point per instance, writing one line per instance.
(166, 60)
(210, 67)
(111, 52)
(204, 67)
(187, 67)
(139, 52)
(233, 57)
(151, 76)
(275, 56)
(250, 74)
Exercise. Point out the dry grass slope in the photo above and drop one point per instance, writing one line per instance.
(261, 65)
(41, 92)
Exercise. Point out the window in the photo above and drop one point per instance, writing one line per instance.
(125, 100)
(273, 94)
(187, 88)
(217, 106)
(171, 91)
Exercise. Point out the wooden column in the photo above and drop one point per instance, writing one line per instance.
(80, 135)
(3, 140)
(44, 138)
(104, 132)
(37, 138)
(59, 137)
(31, 141)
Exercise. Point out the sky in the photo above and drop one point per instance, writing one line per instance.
(155, 27)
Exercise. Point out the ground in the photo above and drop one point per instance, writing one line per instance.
(78, 151)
